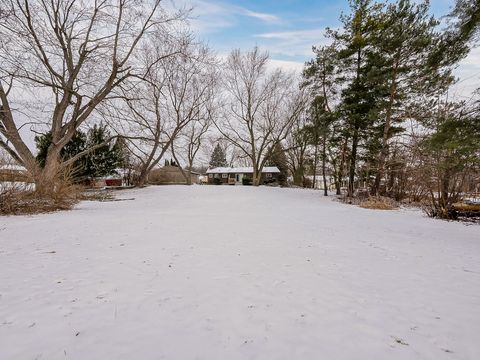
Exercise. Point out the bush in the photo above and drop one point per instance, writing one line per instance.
(217, 181)
(378, 203)
(22, 200)
(307, 183)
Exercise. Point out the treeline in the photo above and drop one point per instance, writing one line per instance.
(380, 120)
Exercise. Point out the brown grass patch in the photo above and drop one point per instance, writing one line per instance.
(378, 203)
(23, 201)
(23, 198)
(97, 195)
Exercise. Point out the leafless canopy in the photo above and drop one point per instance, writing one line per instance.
(72, 54)
(260, 106)
(173, 102)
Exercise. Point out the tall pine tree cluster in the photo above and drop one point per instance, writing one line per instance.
(380, 113)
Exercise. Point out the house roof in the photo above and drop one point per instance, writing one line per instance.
(241, 170)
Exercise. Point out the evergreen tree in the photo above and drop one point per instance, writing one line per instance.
(361, 92)
(462, 34)
(401, 47)
(99, 162)
(218, 158)
(76, 145)
(320, 75)
(105, 159)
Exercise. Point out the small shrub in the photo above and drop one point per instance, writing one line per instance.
(307, 183)
(17, 198)
(17, 201)
(217, 181)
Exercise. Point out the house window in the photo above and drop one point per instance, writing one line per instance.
(224, 176)
(268, 175)
(210, 176)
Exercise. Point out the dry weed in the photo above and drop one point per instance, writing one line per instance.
(22, 198)
(378, 203)
(17, 201)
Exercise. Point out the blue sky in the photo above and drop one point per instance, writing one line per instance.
(287, 29)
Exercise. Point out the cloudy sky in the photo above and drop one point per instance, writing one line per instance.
(289, 28)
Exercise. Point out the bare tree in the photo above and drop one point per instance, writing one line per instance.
(261, 106)
(190, 144)
(74, 54)
(297, 150)
(174, 93)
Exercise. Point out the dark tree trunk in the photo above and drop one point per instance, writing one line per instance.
(353, 162)
(324, 156)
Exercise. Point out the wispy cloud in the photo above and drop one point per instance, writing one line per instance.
(268, 18)
(209, 16)
(294, 66)
(297, 35)
(297, 43)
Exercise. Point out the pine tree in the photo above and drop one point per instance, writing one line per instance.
(320, 75)
(462, 34)
(361, 92)
(75, 146)
(218, 158)
(401, 49)
(104, 160)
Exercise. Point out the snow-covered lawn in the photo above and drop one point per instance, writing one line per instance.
(218, 272)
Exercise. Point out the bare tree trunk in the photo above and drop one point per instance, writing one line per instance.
(353, 162)
(342, 166)
(324, 161)
(187, 178)
(256, 177)
(315, 162)
(444, 193)
(46, 178)
(142, 177)
(386, 131)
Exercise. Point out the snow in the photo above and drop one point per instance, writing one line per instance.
(231, 272)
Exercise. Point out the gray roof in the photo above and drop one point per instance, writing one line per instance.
(241, 170)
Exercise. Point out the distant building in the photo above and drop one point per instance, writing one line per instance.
(239, 175)
(171, 175)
